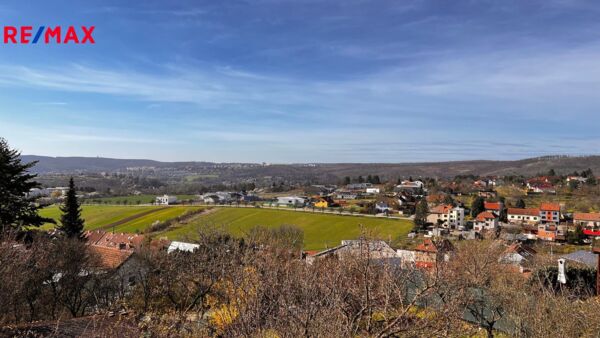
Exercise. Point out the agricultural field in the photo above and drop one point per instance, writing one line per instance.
(132, 199)
(320, 230)
(122, 218)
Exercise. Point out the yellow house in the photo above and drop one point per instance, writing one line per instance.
(322, 203)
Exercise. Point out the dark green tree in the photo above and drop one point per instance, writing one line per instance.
(421, 212)
(71, 222)
(376, 179)
(520, 204)
(361, 179)
(17, 209)
(477, 206)
(347, 180)
(577, 236)
(369, 179)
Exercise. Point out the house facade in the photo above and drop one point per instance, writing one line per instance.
(485, 221)
(550, 213)
(291, 201)
(165, 200)
(447, 215)
(523, 216)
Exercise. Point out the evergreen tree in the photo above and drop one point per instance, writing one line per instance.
(71, 222)
(347, 180)
(477, 206)
(421, 212)
(520, 204)
(361, 179)
(17, 210)
(370, 179)
(376, 179)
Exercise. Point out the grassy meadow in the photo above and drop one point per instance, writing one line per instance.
(124, 218)
(320, 230)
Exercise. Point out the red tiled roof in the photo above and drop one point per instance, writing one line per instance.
(492, 205)
(110, 258)
(586, 216)
(483, 216)
(108, 239)
(548, 206)
(426, 246)
(441, 209)
(527, 212)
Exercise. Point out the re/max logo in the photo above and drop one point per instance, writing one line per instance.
(57, 34)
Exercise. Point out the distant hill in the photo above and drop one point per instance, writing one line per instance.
(527, 167)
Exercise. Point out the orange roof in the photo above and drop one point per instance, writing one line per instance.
(492, 205)
(108, 239)
(547, 206)
(110, 258)
(483, 216)
(441, 209)
(586, 216)
(528, 212)
(427, 246)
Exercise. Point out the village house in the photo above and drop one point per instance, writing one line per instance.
(377, 250)
(383, 207)
(493, 207)
(358, 186)
(413, 187)
(523, 216)
(485, 221)
(345, 195)
(372, 191)
(547, 232)
(578, 179)
(324, 202)
(165, 200)
(549, 213)
(123, 241)
(588, 220)
(447, 215)
(519, 255)
(428, 253)
(291, 201)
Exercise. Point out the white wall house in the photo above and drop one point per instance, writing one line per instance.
(165, 199)
(528, 216)
(485, 221)
(292, 201)
(449, 216)
(372, 191)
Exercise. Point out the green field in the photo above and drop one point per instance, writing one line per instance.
(133, 218)
(320, 230)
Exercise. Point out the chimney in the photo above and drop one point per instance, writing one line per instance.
(562, 278)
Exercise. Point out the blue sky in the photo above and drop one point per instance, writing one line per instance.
(306, 81)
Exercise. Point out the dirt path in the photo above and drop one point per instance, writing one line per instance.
(131, 218)
(185, 222)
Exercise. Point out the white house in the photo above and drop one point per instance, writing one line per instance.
(447, 215)
(485, 221)
(165, 199)
(292, 201)
(372, 191)
(182, 246)
(519, 215)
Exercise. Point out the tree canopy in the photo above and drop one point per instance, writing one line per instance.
(17, 208)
